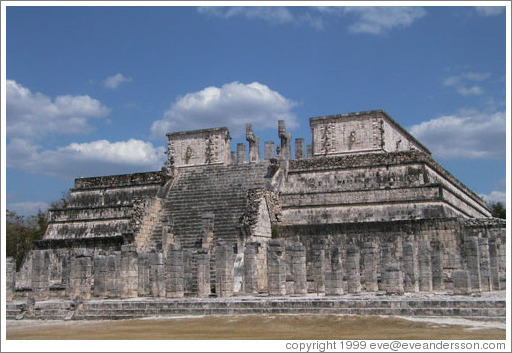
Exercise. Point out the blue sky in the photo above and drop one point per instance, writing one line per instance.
(92, 90)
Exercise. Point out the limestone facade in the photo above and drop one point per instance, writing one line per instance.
(364, 208)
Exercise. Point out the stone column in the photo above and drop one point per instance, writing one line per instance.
(156, 262)
(473, 261)
(250, 268)
(437, 265)
(114, 283)
(175, 271)
(203, 273)
(410, 266)
(81, 275)
(310, 152)
(144, 285)
(461, 282)
(240, 153)
(276, 268)
(285, 138)
(224, 265)
(10, 273)
(100, 276)
(299, 148)
(502, 263)
(269, 150)
(289, 270)
(394, 279)
(353, 272)
(425, 266)
(334, 275)
(298, 255)
(254, 144)
(485, 264)
(40, 275)
(106, 276)
(493, 258)
(129, 271)
(370, 264)
(385, 260)
(234, 159)
(319, 269)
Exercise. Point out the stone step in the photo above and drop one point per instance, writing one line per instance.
(227, 310)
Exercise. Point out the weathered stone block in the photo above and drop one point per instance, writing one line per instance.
(485, 264)
(370, 266)
(276, 268)
(461, 282)
(334, 282)
(81, 277)
(410, 267)
(129, 272)
(437, 265)
(269, 150)
(203, 273)
(156, 261)
(40, 275)
(353, 269)
(10, 273)
(224, 265)
(394, 279)
(425, 266)
(250, 268)
(175, 271)
(473, 261)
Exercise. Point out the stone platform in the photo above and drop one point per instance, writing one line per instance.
(490, 306)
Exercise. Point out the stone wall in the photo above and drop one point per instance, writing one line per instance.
(102, 206)
(374, 187)
(199, 147)
(372, 131)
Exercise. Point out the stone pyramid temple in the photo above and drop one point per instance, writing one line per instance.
(364, 208)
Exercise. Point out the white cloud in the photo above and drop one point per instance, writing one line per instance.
(27, 208)
(277, 14)
(495, 196)
(113, 82)
(490, 10)
(467, 134)
(381, 19)
(470, 91)
(34, 115)
(463, 83)
(498, 194)
(85, 159)
(232, 105)
(367, 19)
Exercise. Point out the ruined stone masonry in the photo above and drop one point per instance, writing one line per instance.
(364, 208)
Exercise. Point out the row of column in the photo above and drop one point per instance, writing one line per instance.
(278, 269)
(421, 268)
(240, 156)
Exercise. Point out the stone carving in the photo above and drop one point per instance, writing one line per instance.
(351, 139)
(188, 154)
(254, 144)
(397, 145)
(327, 139)
(285, 150)
(209, 149)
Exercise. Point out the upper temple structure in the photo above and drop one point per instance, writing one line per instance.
(364, 208)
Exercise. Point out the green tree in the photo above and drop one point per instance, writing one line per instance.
(22, 233)
(498, 210)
